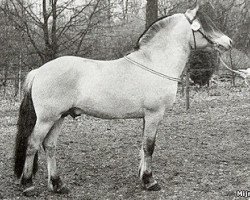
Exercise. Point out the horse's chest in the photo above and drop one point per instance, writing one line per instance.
(161, 96)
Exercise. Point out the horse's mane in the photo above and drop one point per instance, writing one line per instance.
(152, 30)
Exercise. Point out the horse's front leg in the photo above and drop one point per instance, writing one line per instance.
(150, 123)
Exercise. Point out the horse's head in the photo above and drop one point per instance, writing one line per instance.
(204, 32)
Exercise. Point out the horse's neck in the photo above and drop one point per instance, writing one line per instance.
(171, 60)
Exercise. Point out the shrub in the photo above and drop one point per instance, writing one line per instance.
(202, 66)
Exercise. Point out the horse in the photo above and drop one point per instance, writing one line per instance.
(141, 84)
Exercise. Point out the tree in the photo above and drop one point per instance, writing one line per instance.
(151, 12)
(52, 28)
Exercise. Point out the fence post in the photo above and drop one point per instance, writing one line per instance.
(232, 67)
(182, 85)
(187, 86)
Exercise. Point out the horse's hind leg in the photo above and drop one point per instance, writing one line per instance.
(41, 129)
(151, 121)
(54, 181)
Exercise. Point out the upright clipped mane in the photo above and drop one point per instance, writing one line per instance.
(152, 30)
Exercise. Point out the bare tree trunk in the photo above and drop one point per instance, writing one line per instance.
(54, 45)
(51, 47)
(20, 78)
(45, 28)
(16, 79)
(109, 14)
(151, 12)
(125, 10)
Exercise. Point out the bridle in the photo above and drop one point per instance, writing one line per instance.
(203, 34)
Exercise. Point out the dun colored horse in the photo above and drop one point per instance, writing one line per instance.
(140, 85)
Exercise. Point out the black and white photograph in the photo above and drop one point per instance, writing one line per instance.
(125, 99)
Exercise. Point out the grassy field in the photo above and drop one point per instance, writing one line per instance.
(200, 154)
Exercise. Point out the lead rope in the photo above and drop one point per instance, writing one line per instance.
(235, 71)
(152, 71)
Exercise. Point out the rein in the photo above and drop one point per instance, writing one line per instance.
(232, 70)
(152, 71)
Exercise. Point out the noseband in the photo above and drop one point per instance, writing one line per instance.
(204, 35)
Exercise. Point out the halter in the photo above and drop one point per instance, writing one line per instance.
(203, 34)
(152, 71)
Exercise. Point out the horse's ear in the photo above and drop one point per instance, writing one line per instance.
(191, 13)
(196, 8)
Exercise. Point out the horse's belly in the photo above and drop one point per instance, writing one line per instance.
(111, 109)
(111, 114)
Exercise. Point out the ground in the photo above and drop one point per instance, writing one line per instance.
(200, 154)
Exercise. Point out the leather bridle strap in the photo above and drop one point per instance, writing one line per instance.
(207, 38)
(194, 39)
(190, 22)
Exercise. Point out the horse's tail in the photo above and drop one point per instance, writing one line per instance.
(25, 125)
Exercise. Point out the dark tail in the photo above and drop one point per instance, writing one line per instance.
(25, 125)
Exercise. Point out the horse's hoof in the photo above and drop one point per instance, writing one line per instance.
(63, 190)
(154, 187)
(30, 192)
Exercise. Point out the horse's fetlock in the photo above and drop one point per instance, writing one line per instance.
(56, 183)
(26, 181)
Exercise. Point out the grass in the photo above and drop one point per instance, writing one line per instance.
(202, 153)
